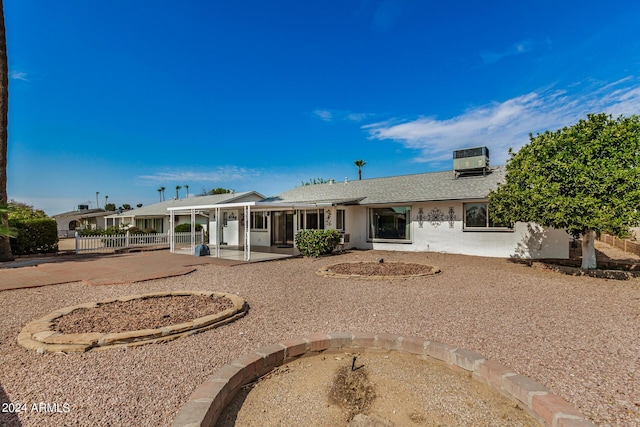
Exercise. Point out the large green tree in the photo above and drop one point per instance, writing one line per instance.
(584, 178)
(5, 246)
(22, 211)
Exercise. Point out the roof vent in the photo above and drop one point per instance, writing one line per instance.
(346, 179)
(471, 161)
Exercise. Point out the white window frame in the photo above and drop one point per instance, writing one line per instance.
(254, 215)
(303, 223)
(341, 220)
(408, 225)
(487, 226)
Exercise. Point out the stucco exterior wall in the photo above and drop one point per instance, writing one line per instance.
(524, 241)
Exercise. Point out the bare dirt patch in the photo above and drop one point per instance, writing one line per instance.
(391, 388)
(137, 314)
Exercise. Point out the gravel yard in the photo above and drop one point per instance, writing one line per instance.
(579, 336)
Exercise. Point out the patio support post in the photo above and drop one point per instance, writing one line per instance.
(172, 217)
(193, 231)
(218, 231)
(247, 233)
(296, 221)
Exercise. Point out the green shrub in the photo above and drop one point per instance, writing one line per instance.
(313, 243)
(182, 228)
(111, 231)
(135, 230)
(35, 236)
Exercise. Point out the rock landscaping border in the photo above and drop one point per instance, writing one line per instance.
(326, 271)
(605, 270)
(207, 402)
(40, 336)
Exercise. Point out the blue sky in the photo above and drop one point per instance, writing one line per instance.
(123, 97)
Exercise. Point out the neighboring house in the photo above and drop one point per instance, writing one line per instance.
(432, 212)
(156, 216)
(81, 219)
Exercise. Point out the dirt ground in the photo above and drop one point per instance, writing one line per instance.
(407, 391)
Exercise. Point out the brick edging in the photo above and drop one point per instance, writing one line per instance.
(206, 403)
(326, 271)
(40, 336)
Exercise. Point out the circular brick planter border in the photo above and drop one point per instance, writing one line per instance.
(38, 335)
(207, 402)
(326, 271)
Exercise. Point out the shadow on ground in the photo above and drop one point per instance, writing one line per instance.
(8, 415)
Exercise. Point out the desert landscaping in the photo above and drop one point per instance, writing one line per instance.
(576, 335)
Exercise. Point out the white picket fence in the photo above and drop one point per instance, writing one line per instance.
(110, 243)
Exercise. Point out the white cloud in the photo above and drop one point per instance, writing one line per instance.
(358, 117)
(325, 115)
(18, 75)
(222, 174)
(341, 115)
(500, 125)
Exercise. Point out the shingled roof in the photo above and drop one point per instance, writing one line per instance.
(161, 208)
(432, 186)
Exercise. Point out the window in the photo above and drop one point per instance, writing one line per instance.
(340, 224)
(150, 224)
(393, 223)
(312, 220)
(258, 220)
(477, 215)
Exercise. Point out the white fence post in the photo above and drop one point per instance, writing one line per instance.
(77, 242)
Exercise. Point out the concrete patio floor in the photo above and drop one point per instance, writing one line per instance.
(102, 269)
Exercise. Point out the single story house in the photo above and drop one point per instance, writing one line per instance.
(443, 212)
(82, 218)
(156, 216)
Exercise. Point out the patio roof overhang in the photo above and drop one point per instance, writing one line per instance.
(260, 206)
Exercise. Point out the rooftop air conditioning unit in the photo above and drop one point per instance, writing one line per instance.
(471, 160)
(83, 207)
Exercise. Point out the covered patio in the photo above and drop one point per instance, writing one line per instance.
(232, 226)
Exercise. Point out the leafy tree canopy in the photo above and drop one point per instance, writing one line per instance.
(585, 178)
(5, 230)
(20, 211)
(315, 181)
(214, 191)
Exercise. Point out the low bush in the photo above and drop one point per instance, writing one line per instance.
(136, 230)
(34, 236)
(183, 228)
(313, 243)
(111, 231)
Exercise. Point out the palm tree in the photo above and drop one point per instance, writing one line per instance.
(5, 244)
(106, 199)
(360, 164)
(186, 186)
(160, 193)
(178, 187)
(97, 202)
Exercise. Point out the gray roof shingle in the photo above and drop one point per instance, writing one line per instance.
(161, 208)
(432, 186)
